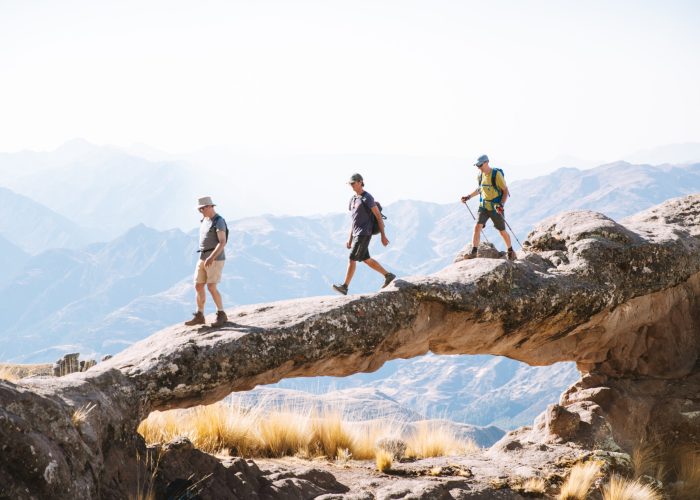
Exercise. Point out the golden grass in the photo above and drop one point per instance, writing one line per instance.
(9, 373)
(623, 489)
(650, 460)
(580, 480)
(254, 432)
(14, 372)
(81, 414)
(532, 486)
(434, 439)
(687, 468)
(383, 460)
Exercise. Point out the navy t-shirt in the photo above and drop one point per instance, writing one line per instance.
(208, 238)
(361, 211)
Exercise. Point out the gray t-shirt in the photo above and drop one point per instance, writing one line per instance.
(361, 211)
(208, 238)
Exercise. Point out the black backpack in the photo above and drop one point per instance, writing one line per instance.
(375, 222)
(213, 225)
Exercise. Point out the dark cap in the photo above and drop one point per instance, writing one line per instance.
(482, 159)
(356, 178)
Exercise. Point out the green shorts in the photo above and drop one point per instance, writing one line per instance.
(498, 221)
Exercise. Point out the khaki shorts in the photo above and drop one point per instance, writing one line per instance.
(211, 274)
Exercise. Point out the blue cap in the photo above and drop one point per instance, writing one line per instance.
(482, 159)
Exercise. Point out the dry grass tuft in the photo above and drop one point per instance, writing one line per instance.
(531, 486)
(435, 471)
(328, 434)
(622, 489)
(580, 480)
(687, 485)
(434, 439)
(648, 459)
(383, 460)
(80, 415)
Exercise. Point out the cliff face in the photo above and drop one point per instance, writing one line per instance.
(621, 300)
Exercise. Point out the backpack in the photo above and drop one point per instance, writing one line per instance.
(375, 222)
(497, 199)
(213, 224)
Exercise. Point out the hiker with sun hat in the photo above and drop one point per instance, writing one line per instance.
(213, 235)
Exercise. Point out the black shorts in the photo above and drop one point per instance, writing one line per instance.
(498, 221)
(360, 248)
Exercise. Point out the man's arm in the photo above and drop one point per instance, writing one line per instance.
(221, 235)
(380, 221)
(470, 195)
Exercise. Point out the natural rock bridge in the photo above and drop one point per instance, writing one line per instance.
(622, 301)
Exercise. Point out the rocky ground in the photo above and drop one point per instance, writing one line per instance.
(481, 474)
(499, 472)
(621, 300)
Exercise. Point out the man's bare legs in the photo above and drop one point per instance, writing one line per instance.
(352, 266)
(506, 238)
(214, 291)
(201, 296)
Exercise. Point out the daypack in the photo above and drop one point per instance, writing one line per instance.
(497, 199)
(375, 222)
(213, 225)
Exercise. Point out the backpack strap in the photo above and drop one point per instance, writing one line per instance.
(497, 199)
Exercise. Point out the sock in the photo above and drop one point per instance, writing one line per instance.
(510, 249)
(473, 249)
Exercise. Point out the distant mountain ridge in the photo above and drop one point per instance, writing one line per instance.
(33, 228)
(103, 296)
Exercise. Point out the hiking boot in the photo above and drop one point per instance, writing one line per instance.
(388, 278)
(471, 255)
(197, 319)
(341, 289)
(221, 319)
(511, 254)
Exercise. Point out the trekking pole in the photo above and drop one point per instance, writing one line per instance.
(482, 227)
(511, 230)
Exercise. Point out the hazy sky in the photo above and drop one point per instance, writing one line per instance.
(524, 81)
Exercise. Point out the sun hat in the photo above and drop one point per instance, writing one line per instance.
(205, 201)
(356, 178)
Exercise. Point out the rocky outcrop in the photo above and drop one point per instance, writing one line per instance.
(621, 300)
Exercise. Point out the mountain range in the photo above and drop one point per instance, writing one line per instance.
(65, 292)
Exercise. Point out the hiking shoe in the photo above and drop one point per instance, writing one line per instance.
(341, 289)
(221, 319)
(512, 255)
(388, 278)
(197, 319)
(471, 255)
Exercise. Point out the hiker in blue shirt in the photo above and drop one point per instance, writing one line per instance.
(493, 194)
(365, 214)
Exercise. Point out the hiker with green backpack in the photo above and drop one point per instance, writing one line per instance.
(493, 194)
(367, 220)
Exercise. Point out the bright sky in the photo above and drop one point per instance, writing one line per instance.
(524, 81)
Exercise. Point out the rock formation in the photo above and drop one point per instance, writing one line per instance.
(621, 300)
